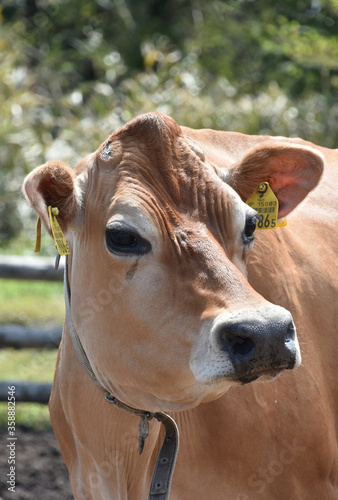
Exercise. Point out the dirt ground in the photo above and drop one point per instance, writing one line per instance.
(41, 473)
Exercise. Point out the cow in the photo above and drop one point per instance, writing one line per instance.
(178, 312)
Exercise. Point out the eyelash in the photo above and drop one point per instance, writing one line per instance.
(123, 240)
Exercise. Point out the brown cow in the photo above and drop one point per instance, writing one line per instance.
(173, 306)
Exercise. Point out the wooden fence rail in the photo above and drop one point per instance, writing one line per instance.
(30, 268)
(19, 337)
(26, 392)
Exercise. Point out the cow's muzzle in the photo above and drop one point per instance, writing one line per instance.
(246, 345)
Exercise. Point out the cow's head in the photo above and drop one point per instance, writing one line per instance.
(159, 244)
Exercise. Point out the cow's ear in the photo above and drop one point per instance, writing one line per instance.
(291, 170)
(52, 184)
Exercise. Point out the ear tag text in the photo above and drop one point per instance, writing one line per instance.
(59, 239)
(264, 201)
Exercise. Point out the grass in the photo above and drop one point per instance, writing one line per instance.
(31, 303)
(27, 364)
(34, 416)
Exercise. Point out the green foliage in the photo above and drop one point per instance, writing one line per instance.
(73, 71)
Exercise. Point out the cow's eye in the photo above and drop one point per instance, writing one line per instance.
(249, 230)
(121, 239)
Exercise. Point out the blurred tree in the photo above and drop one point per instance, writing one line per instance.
(73, 70)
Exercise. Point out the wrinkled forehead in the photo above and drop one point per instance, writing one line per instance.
(160, 178)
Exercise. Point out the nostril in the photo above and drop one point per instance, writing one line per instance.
(241, 345)
(290, 333)
(238, 346)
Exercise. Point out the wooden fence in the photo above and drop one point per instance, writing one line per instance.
(19, 337)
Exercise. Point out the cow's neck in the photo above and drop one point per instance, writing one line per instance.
(165, 464)
(99, 442)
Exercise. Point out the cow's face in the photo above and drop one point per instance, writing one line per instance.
(159, 244)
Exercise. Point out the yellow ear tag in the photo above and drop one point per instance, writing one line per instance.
(38, 236)
(60, 240)
(264, 201)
